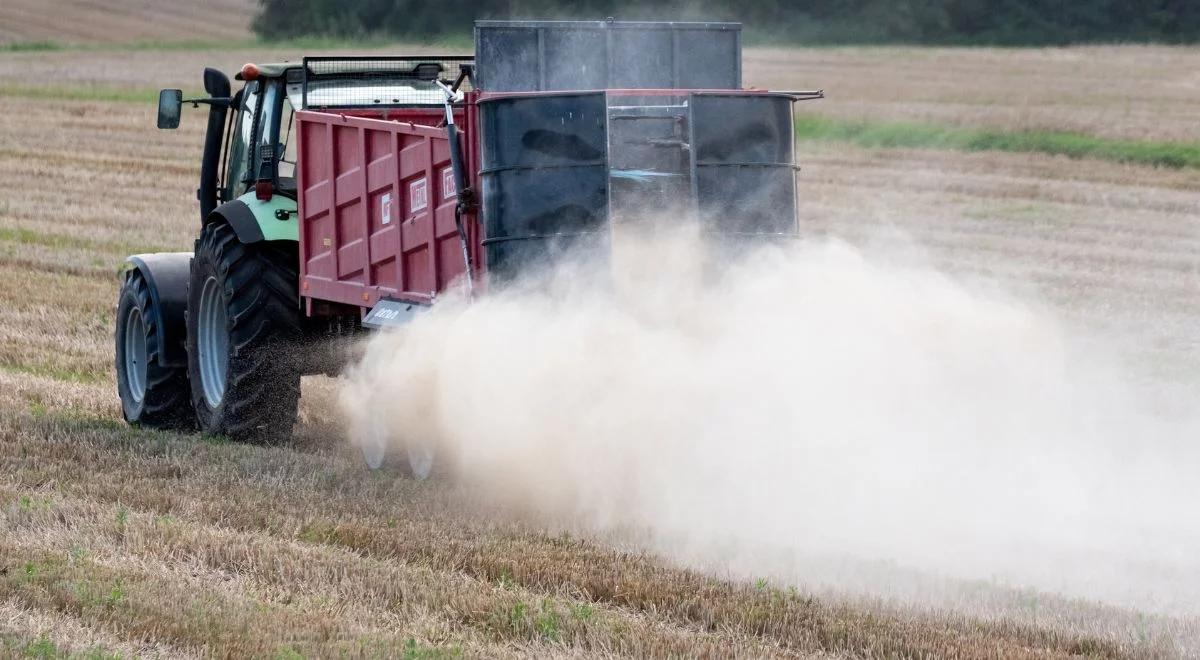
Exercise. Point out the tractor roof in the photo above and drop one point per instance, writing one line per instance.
(331, 66)
(271, 70)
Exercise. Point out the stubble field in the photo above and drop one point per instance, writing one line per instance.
(122, 541)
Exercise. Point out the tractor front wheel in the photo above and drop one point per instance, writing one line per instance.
(152, 395)
(243, 331)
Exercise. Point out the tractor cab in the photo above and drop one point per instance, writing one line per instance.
(258, 144)
(251, 144)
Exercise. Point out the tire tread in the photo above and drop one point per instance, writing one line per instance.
(263, 385)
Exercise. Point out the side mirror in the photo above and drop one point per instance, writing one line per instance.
(170, 106)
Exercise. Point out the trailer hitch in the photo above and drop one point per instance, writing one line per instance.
(467, 201)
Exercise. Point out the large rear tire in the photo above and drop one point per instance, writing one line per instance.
(243, 336)
(152, 395)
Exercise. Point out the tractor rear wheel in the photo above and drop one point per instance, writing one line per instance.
(243, 331)
(152, 395)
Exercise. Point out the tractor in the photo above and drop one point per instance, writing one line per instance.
(340, 195)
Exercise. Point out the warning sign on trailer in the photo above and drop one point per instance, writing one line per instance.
(418, 196)
(385, 208)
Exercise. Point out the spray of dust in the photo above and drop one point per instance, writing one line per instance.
(802, 412)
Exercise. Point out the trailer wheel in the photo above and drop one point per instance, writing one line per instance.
(152, 395)
(381, 450)
(243, 330)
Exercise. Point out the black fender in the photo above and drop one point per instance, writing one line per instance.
(166, 275)
(238, 215)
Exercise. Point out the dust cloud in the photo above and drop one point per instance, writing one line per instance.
(803, 412)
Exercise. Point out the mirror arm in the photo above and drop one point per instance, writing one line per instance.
(217, 101)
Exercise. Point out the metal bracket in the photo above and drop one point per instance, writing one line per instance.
(391, 314)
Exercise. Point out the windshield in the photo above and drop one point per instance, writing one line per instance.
(287, 142)
(243, 132)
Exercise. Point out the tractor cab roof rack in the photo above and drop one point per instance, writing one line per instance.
(381, 82)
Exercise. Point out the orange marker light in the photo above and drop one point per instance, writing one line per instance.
(249, 71)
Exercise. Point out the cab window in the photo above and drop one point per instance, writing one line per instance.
(287, 148)
(238, 158)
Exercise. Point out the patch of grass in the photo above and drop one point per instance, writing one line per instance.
(318, 531)
(513, 619)
(31, 237)
(414, 650)
(42, 647)
(92, 594)
(548, 623)
(520, 620)
(34, 503)
(915, 135)
(30, 46)
(46, 45)
(80, 93)
(54, 373)
(582, 612)
(122, 515)
(75, 421)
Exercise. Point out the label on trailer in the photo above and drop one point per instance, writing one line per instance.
(385, 208)
(449, 189)
(391, 314)
(418, 195)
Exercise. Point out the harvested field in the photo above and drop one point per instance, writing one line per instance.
(1132, 92)
(1137, 92)
(124, 541)
(123, 21)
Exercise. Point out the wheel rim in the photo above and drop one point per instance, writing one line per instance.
(421, 456)
(373, 444)
(375, 441)
(135, 354)
(212, 342)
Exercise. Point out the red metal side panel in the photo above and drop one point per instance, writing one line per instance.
(376, 205)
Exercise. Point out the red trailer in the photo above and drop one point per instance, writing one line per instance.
(377, 199)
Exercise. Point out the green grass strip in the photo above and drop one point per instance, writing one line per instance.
(913, 135)
(864, 133)
(460, 43)
(29, 47)
(52, 372)
(80, 93)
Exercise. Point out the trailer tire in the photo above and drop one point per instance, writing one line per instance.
(243, 332)
(383, 450)
(152, 395)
